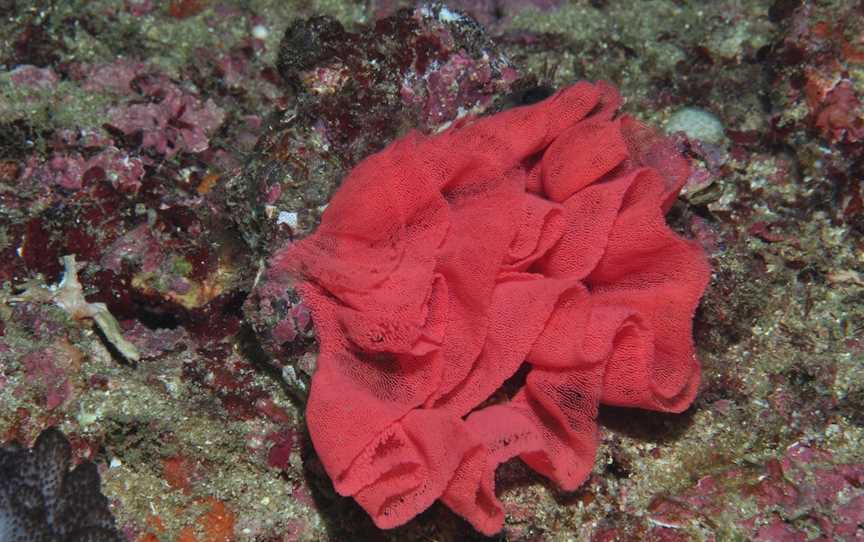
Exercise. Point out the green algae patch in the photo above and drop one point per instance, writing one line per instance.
(64, 105)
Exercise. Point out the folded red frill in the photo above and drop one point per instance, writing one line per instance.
(444, 263)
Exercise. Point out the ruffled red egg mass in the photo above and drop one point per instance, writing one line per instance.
(445, 263)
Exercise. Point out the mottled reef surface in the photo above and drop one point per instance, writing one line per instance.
(171, 146)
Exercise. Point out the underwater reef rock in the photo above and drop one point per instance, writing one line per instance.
(103, 106)
(354, 92)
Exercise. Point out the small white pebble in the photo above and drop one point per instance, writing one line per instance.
(287, 218)
(447, 16)
(697, 124)
(115, 463)
(260, 31)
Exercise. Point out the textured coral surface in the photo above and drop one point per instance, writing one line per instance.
(42, 499)
(171, 147)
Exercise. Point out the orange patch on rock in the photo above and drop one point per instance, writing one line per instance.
(215, 525)
(175, 470)
(218, 523)
(154, 523)
(207, 184)
(180, 9)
